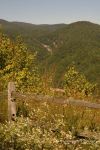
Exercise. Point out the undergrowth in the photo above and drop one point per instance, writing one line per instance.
(49, 126)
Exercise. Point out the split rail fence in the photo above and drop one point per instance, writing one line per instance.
(12, 96)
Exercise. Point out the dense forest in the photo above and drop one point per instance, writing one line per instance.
(59, 46)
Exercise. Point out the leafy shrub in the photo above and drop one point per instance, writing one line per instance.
(76, 84)
(18, 64)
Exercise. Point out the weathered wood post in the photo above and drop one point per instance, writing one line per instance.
(11, 102)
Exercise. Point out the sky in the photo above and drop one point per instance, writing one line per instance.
(50, 11)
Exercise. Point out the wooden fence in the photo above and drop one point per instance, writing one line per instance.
(13, 96)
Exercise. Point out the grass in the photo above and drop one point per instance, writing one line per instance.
(47, 126)
(3, 107)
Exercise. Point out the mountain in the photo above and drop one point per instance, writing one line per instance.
(30, 34)
(77, 43)
(61, 45)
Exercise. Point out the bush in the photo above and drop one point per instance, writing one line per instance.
(76, 84)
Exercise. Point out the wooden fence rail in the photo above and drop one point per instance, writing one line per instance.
(13, 96)
(58, 100)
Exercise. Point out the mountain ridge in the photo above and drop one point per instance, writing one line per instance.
(77, 43)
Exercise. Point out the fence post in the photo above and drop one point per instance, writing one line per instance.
(11, 102)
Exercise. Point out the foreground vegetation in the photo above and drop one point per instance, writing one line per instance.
(48, 126)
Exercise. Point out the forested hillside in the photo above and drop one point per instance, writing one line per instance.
(60, 46)
(37, 59)
(79, 44)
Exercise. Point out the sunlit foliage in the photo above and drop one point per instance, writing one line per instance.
(18, 64)
(76, 84)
